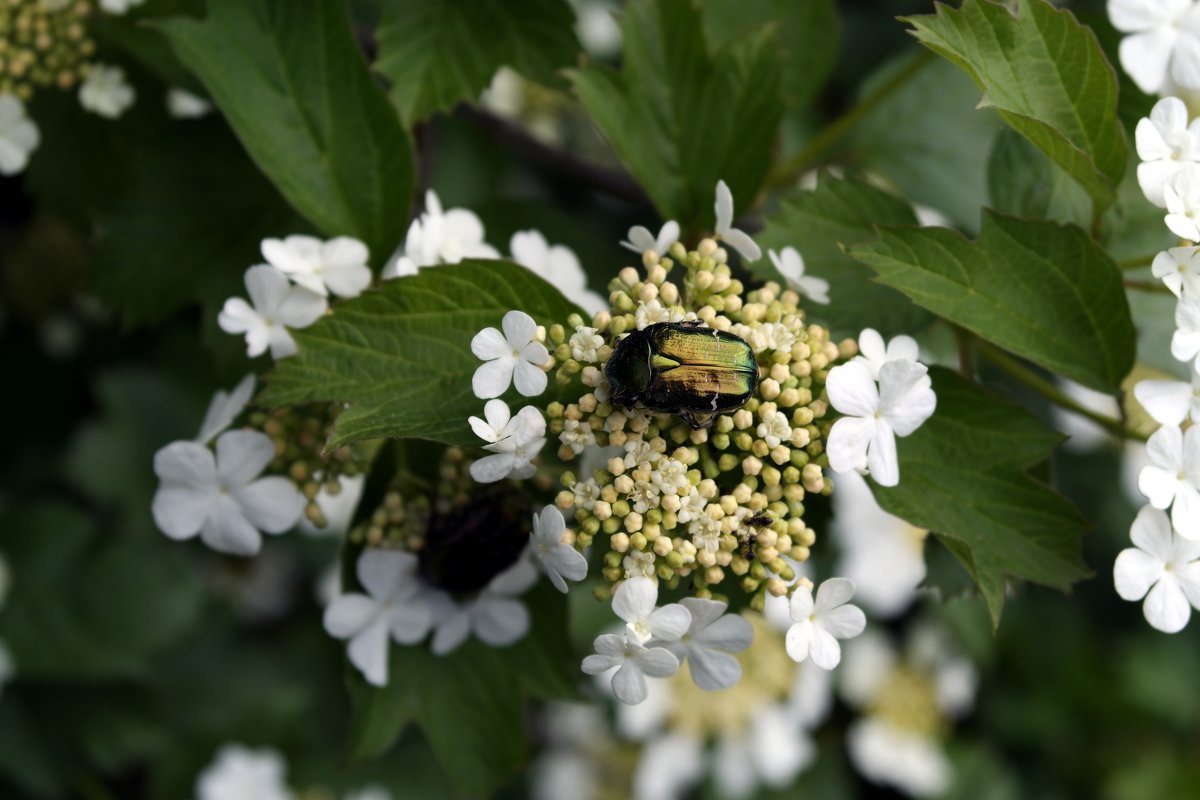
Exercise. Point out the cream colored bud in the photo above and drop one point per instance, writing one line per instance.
(633, 523)
(741, 493)
(615, 467)
(670, 503)
(669, 294)
(650, 258)
(705, 558)
(714, 575)
(619, 542)
(769, 389)
(751, 465)
(662, 545)
(742, 419)
(628, 276)
(776, 587)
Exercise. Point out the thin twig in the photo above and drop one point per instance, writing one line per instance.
(514, 138)
(789, 170)
(1148, 286)
(1047, 389)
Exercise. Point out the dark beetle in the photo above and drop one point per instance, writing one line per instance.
(683, 368)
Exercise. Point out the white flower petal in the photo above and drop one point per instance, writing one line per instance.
(242, 456)
(272, 504)
(634, 599)
(1166, 401)
(712, 669)
(1166, 608)
(799, 640)
(368, 651)
(852, 390)
(499, 621)
(492, 378)
(669, 622)
(629, 684)
(227, 530)
(349, 614)
(1134, 573)
(825, 651)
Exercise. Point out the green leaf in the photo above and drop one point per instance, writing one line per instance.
(290, 79)
(1047, 77)
(964, 476)
(401, 354)
(467, 704)
(927, 139)
(86, 606)
(682, 116)
(1024, 183)
(1042, 290)
(808, 38)
(818, 224)
(438, 52)
(161, 248)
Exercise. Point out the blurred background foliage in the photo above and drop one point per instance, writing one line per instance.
(138, 657)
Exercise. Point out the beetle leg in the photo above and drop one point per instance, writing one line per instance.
(697, 421)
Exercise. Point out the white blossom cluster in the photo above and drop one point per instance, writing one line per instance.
(909, 699)
(1162, 54)
(399, 605)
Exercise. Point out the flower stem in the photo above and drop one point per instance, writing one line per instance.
(1148, 286)
(795, 166)
(1136, 263)
(1047, 389)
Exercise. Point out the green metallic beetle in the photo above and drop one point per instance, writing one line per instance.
(683, 368)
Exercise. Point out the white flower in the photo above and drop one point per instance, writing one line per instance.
(820, 623)
(706, 533)
(1162, 44)
(638, 564)
(182, 104)
(105, 92)
(239, 773)
(559, 265)
(791, 265)
(773, 750)
(586, 493)
(910, 761)
(585, 345)
(1165, 143)
(438, 237)
(774, 428)
(370, 792)
(220, 498)
(515, 356)
(668, 765)
(640, 240)
(1182, 197)
(597, 29)
(277, 306)
(119, 6)
(577, 435)
(1162, 567)
(651, 313)
(875, 415)
(1185, 342)
(1179, 270)
(738, 240)
(224, 408)
(338, 265)
(559, 560)
(882, 554)
(494, 616)
(514, 442)
(708, 642)
(634, 601)
(1173, 475)
(19, 135)
(634, 661)
(1170, 402)
(874, 354)
(393, 607)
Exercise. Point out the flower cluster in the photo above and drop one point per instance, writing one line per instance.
(909, 701)
(1161, 44)
(685, 497)
(677, 502)
(43, 44)
(291, 290)
(452, 564)
(1162, 566)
